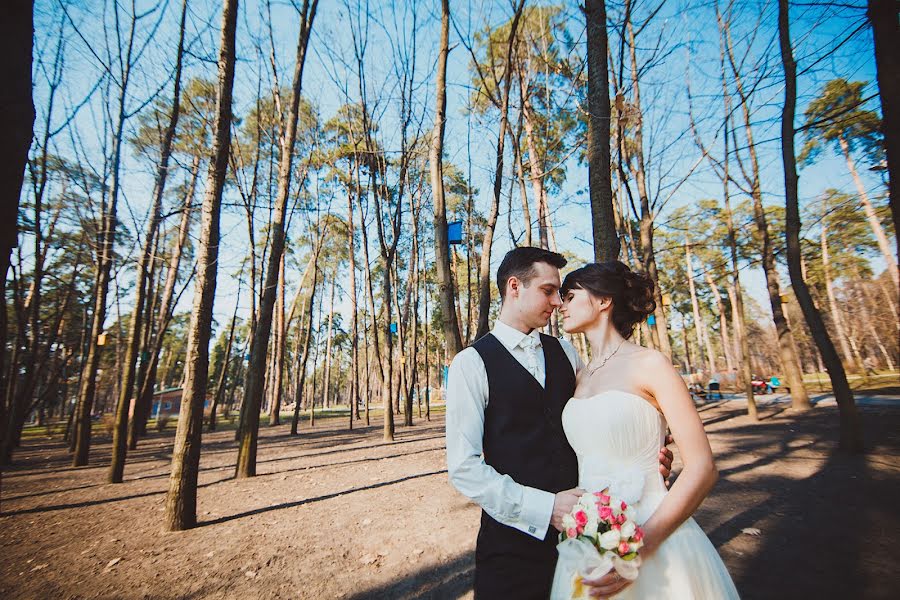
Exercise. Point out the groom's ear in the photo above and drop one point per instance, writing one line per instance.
(512, 286)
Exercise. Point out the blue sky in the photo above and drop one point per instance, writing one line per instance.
(687, 28)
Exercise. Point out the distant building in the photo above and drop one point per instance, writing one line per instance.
(169, 402)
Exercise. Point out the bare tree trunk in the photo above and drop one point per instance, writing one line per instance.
(354, 316)
(836, 318)
(278, 352)
(484, 270)
(107, 235)
(301, 364)
(219, 394)
(138, 425)
(535, 168)
(648, 257)
(787, 346)
(253, 388)
(446, 283)
(311, 402)
(885, 31)
(866, 305)
(520, 176)
(326, 400)
(699, 323)
(18, 115)
(723, 323)
(181, 500)
(606, 242)
(123, 408)
(874, 222)
(851, 433)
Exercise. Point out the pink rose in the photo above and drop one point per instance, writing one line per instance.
(570, 532)
(581, 518)
(617, 527)
(621, 519)
(606, 513)
(624, 506)
(602, 497)
(638, 534)
(624, 548)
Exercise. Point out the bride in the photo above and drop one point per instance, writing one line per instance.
(624, 400)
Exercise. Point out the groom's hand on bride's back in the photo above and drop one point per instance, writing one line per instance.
(665, 460)
(562, 505)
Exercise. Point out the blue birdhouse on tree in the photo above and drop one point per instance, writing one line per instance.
(455, 232)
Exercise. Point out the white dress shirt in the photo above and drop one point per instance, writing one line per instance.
(521, 507)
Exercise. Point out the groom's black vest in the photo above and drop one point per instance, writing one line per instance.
(523, 438)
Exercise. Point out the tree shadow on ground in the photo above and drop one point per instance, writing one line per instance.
(448, 580)
(295, 503)
(829, 535)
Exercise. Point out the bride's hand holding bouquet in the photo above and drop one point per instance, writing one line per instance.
(600, 536)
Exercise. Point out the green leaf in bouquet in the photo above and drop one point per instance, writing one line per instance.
(630, 556)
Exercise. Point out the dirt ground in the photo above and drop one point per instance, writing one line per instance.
(339, 514)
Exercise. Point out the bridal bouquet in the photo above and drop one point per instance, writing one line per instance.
(601, 534)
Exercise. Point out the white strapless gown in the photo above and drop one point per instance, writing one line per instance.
(617, 436)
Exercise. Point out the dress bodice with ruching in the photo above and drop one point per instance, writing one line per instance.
(617, 436)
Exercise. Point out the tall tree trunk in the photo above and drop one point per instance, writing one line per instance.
(219, 394)
(278, 352)
(520, 176)
(535, 164)
(787, 346)
(311, 402)
(301, 364)
(837, 318)
(253, 388)
(446, 282)
(484, 270)
(699, 322)
(889, 258)
(123, 408)
(181, 500)
(723, 323)
(885, 31)
(606, 242)
(851, 432)
(107, 236)
(18, 115)
(740, 330)
(354, 316)
(648, 257)
(144, 404)
(329, 333)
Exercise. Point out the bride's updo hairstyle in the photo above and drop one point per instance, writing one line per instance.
(631, 292)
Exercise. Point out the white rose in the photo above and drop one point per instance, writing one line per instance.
(568, 522)
(586, 502)
(590, 529)
(630, 513)
(627, 529)
(609, 540)
(615, 503)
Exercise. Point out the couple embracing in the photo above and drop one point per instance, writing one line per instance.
(531, 428)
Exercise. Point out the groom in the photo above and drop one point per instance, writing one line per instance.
(506, 449)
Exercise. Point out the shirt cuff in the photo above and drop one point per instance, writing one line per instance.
(537, 509)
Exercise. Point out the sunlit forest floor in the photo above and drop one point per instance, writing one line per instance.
(339, 514)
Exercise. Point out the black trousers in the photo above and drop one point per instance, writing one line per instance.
(512, 564)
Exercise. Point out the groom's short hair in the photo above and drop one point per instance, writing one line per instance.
(519, 263)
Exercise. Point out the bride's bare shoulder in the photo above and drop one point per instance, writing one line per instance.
(648, 358)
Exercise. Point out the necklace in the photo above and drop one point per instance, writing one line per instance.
(604, 361)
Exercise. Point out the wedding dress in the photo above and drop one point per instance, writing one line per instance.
(617, 436)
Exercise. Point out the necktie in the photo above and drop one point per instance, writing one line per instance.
(532, 347)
